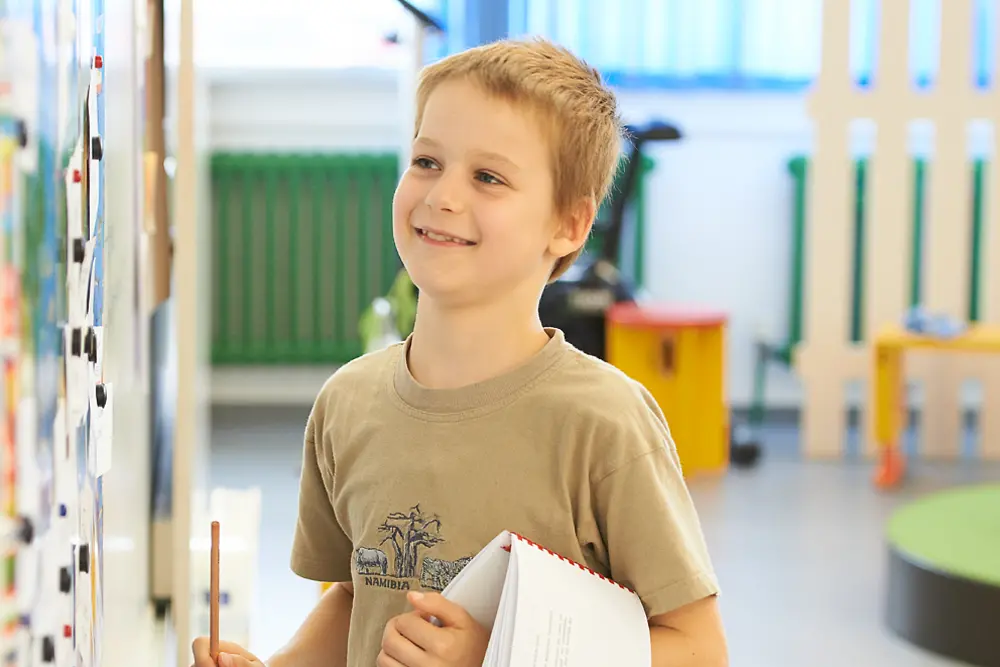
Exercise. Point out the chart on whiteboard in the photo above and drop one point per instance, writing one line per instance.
(55, 417)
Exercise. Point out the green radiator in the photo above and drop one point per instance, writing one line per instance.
(631, 251)
(301, 246)
(303, 243)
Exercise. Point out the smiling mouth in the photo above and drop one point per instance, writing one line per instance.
(442, 238)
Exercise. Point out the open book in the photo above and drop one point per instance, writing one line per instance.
(546, 611)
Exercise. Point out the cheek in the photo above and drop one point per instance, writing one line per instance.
(517, 234)
(403, 202)
(519, 222)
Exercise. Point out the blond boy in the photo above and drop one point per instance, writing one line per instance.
(483, 420)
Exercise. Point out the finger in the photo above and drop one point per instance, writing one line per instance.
(202, 658)
(231, 660)
(387, 661)
(419, 630)
(200, 648)
(450, 614)
(398, 647)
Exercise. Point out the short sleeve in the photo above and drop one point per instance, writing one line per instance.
(321, 551)
(654, 540)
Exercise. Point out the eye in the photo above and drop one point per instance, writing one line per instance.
(424, 163)
(488, 178)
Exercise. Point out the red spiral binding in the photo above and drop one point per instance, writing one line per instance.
(571, 562)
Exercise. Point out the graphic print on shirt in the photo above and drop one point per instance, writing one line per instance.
(393, 564)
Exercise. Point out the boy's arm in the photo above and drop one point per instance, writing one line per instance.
(322, 639)
(689, 636)
(655, 545)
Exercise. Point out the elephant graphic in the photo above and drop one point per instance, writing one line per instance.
(371, 561)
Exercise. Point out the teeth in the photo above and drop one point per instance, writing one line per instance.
(441, 237)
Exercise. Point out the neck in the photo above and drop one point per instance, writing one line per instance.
(458, 347)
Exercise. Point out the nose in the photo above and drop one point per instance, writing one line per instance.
(447, 193)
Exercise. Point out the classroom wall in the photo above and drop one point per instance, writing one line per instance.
(719, 203)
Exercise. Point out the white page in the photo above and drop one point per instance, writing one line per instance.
(76, 383)
(477, 588)
(86, 283)
(102, 425)
(99, 365)
(74, 201)
(76, 306)
(569, 617)
(499, 649)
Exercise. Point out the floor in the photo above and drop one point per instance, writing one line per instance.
(797, 546)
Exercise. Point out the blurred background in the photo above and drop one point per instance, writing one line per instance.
(800, 258)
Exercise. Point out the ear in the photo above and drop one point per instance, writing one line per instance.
(573, 227)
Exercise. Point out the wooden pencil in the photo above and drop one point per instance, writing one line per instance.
(213, 637)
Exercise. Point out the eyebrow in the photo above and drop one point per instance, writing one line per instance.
(488, 155)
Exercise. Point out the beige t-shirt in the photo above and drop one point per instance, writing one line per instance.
(402, 485)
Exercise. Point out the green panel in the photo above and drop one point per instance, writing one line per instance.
(797, 167)
(975, 280)
(222, 187)
(294, 198)
(858, 258)
(314, 295)
(638, 228)
(344, 249)
(270, 173)
(303, 244)
(242, 346)
(917, 265)
(648, 165)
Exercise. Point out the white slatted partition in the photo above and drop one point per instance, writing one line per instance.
(890, 194)
(827, 360)
(948, 241)
(824, 352)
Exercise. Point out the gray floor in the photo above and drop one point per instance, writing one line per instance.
(798, 546)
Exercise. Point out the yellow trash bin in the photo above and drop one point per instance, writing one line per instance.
(678, 354)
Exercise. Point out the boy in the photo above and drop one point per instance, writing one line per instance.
(418, 455)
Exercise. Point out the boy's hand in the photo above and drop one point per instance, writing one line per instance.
(411, 640)
(230, 655)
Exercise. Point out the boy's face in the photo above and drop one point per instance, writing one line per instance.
(473, 215)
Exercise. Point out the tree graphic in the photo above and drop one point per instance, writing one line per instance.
(407, 532)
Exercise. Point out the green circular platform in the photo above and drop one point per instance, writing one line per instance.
(944, 573)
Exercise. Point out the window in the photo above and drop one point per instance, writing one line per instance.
(736, 44)
(772, 44)
(300, 33)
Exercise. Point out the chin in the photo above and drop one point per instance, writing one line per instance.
(450, 294)
(435, 284)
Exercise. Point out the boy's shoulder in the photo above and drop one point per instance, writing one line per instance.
(604, 402)
(598, 387)
(369, 367)
(605, 415)
(358, 379)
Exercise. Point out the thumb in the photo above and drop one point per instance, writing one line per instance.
(435, 604)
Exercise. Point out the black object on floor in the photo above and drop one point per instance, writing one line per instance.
(943, 591)
(577, 303)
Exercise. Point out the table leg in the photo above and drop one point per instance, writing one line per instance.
(890, 409)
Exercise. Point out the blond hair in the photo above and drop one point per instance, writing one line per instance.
(580, 114)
